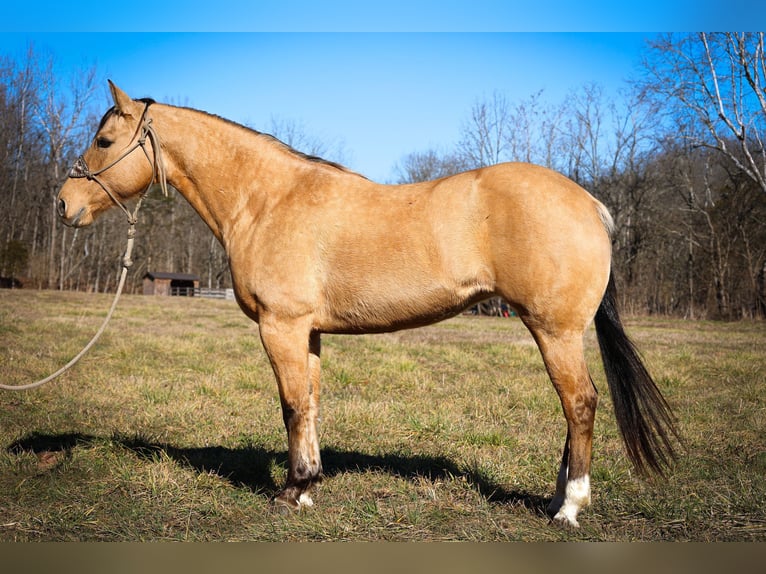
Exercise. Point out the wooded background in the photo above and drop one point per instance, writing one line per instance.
(678, 157)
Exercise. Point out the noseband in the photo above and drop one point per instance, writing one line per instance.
(80, 168)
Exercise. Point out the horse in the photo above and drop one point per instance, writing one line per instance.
(316, 248)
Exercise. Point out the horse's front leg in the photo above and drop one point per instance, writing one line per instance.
(294, 354)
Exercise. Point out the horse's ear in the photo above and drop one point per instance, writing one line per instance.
(123, 104)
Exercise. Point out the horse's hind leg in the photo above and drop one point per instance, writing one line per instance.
(294, 354)
(565, 362)
(315, 390)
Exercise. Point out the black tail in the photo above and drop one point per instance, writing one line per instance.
(643, 416)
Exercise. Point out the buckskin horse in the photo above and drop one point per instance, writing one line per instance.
(315, 248)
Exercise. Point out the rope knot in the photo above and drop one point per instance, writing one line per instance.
(145, 129)
(127, 261)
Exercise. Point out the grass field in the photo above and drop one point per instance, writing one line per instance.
(170, 429)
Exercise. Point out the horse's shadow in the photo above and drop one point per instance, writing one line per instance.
(251, 466)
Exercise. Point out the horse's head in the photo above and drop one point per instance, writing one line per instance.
(121, 163)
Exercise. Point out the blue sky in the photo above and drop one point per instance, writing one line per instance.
(380, 93)
(384, 16)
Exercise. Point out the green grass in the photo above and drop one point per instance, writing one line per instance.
(170, 429)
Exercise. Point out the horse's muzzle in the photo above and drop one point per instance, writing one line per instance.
(74, 221)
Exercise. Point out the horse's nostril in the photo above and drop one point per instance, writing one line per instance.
(62, 208)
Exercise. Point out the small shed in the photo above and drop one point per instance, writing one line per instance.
(164, 283)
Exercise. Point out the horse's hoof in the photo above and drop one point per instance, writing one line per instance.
(286, 503)
(565, 521)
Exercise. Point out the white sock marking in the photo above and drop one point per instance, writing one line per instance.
(577, 496)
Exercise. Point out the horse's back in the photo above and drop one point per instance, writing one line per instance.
(422, 252)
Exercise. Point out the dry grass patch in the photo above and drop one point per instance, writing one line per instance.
(170, 429)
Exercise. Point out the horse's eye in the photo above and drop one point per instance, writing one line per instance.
(103, 143)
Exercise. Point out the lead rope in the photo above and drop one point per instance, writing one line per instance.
(80, 169)
(127, 262)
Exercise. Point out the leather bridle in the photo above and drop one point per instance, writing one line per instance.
(80, 168)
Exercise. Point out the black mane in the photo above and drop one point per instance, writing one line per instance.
(300, 154)
(280, 143)
(146, 101)
(308, 157)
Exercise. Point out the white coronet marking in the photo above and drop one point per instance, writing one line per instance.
(305, 500)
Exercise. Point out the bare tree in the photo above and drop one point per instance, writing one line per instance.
(43, 119)
(528, 130)
(611, 145)
(714, 86)
(484, 136)
(586, 135)
(535, 132)
(18, 99)
(61, 112)
(428, 165)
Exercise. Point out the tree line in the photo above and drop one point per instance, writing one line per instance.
(677, 156)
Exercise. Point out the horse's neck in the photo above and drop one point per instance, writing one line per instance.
(217, 166)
